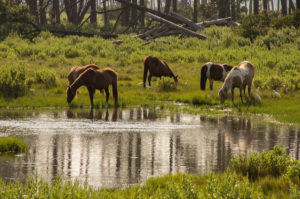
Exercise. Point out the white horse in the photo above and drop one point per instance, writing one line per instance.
(240, 77)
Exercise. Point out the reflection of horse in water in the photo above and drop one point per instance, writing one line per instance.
(95, 79)
(92, 114)
(157, 68)
(213, 72)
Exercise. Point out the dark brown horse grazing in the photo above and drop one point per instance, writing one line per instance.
(95, 79)
(77, 70)
(157, 68)
(213, 71)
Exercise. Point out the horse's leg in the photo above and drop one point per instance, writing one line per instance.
(91, 92)
(241, 93)
(149, 79)
(232, 94)
(211, 82)
(244, 88)
(249, 89)
(107, 94)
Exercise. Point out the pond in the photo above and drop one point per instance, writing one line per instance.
(121, 147)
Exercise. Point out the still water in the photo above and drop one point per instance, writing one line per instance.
(121, 147)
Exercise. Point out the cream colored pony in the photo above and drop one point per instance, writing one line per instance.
(240, 77)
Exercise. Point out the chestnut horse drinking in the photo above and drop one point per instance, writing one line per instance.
(157, 68)
(213, 71)
(77, 70)
(95, 79)
(240, 76)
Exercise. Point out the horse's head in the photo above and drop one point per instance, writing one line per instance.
(176, 79)
(70, 94)
(223, 95)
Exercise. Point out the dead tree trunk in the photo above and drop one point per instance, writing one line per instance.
(175, 26)
(186, 21)
(158, 5)
(250, 7)
(298, 4)
(291, 6)
(195, 11)
(142, 19)
(133, 12)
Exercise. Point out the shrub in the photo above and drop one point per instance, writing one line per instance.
(11, 144)
(46, 77)
(230, 185)
(273, 163)
(72, 52)
(166, 84)
(12, 81)
(293, 172)
(274, 82)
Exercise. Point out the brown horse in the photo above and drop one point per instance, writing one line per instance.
(157, 68)
(95, 79)
(240, 76)
(77, 70)
(213, 71)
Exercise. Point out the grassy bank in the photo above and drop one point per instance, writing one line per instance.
(11, 144)
(259, 175)
(34, 74)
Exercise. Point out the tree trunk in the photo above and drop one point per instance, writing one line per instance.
(291, 6)
(272, 5)
(32, 4)
(125, 16)
(93, 12)
(133, 11)
(265, 4)
(158, 5)
(256, 7)
(167, 6)
(56, 11)
(284, 7)
(195, 11)
(227, 8)
(278, 5)
(142, 19)
(105, 14)
(43, 19)
(175, 5)
(238, 9)
(233, 10)
(222, 8)
(250, 6)
(74, 12)
(298, 4)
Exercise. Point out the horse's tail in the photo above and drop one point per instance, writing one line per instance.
(115, 90)
(146, 68)
(203, 77)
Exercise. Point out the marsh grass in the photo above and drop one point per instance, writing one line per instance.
(12, 144)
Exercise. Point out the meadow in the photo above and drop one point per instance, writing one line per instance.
(259, 175)
(34, 74)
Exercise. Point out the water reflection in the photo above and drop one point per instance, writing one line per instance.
(115, 147)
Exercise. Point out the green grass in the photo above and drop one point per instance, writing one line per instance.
(12, 144)
(48, 56)
(229, 184)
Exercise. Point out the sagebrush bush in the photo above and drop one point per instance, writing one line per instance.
(13, 81)
(273, 163)
(293, 172)
(46, 77)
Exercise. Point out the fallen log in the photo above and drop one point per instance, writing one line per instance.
(176, 27)
(219, 22)
(187, 21)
